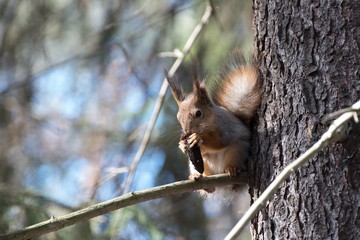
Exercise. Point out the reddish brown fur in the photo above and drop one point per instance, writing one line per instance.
(221, 128)
(242, 105)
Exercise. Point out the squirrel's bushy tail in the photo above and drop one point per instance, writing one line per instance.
(239, 88)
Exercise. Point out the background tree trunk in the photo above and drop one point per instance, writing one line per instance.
(308, 52)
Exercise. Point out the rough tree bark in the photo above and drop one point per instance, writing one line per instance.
(309, 59)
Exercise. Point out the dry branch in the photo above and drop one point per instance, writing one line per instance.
(56, 223)
(180, 56)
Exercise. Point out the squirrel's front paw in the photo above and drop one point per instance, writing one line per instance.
(182, 145)
(194, 139)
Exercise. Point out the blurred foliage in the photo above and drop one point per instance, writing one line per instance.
(78, 81)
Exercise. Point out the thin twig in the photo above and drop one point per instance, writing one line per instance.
(126, 186)
(336, 114)
(160, 98)
(56, 223)
(325, 139)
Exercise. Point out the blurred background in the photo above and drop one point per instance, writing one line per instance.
(78, 83)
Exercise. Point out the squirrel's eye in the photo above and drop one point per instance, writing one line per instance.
(198, 113)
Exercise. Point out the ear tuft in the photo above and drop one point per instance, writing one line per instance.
(196, 84)
(201, 93)
(175, 87)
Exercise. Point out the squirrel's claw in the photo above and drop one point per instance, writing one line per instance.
(194, 139)
(182, 145)
(233, 171)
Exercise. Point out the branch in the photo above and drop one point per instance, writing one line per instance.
(325, 139)
(56, 223)
(160, 98)
(336, 114)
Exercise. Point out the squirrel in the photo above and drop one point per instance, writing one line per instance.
(219, 126)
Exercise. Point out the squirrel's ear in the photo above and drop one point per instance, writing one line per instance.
(200, 92)
(176, 89)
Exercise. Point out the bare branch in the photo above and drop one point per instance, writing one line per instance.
(325, 139)
(56, 223)
(160, 98)
(336, 114)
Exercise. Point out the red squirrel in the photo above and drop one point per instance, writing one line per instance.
(219, 125)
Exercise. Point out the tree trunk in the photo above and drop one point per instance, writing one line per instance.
(309, 59)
